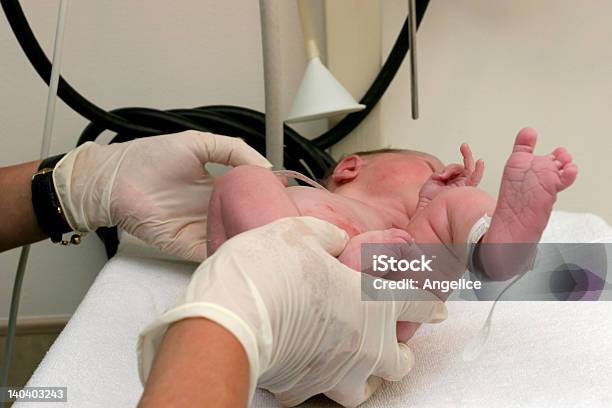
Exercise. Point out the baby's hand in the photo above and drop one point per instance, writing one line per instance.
(453, 175)
(351, 256)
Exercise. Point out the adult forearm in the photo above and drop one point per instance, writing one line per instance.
(19, 225)
(199, 364)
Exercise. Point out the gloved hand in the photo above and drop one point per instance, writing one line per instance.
(155, 188)
(298, 313)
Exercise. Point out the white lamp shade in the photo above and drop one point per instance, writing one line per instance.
(320, 95)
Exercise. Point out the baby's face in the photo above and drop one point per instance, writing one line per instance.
(401, 174)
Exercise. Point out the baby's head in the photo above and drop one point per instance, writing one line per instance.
(383, 173)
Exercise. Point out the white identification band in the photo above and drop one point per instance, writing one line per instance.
(476, 233)
(476, 344)
(479, 229)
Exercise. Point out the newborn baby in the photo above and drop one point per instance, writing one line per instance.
(396, 196)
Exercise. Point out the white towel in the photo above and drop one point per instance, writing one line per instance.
(539, 354)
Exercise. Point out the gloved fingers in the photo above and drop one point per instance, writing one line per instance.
(331, 238)
(350, 394)
(232, 151)
(191, 251)
(424, 307)
(396, 362)
(188, 242)
(289, 399)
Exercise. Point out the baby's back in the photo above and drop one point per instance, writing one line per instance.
(352, 216)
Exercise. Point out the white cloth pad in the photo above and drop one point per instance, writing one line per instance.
(539, 353)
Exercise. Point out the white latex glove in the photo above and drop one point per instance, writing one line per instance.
(298, 313)
(155, 188)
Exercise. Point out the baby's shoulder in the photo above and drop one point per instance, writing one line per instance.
(315, 194)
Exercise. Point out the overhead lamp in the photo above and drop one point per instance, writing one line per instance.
(320, 94)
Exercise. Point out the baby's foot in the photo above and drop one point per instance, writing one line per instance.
(529, 189)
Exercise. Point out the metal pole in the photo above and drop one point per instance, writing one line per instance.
(270, 39)
(414, 91)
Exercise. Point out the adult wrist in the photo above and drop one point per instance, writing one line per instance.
(151, 337)
(46, 204)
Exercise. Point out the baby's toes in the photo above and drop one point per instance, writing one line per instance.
(567, 175)
(525, 141)
(561, 157)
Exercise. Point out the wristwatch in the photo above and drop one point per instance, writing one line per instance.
(47, 207)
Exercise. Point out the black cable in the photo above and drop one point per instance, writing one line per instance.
(108, 120)
(301, 154)
(232, 121)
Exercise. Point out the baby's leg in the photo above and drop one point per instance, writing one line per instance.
(448, 221)
(528, 191)
(244, 198)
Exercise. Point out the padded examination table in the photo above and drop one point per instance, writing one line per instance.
(539, 353)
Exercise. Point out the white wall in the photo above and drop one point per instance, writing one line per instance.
(489, 67)
(127, 53)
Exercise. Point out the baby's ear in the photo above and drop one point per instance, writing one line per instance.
(347, 169)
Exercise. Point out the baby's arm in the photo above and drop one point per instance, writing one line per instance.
(452, 176)
(244, 198)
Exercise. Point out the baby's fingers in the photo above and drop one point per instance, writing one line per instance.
(437, 176)
(478, 172)
(468, 159)
(450, 171)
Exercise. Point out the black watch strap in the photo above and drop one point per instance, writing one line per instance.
(46, 204)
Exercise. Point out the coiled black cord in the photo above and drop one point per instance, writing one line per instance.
(167, 120)
(301, 154)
